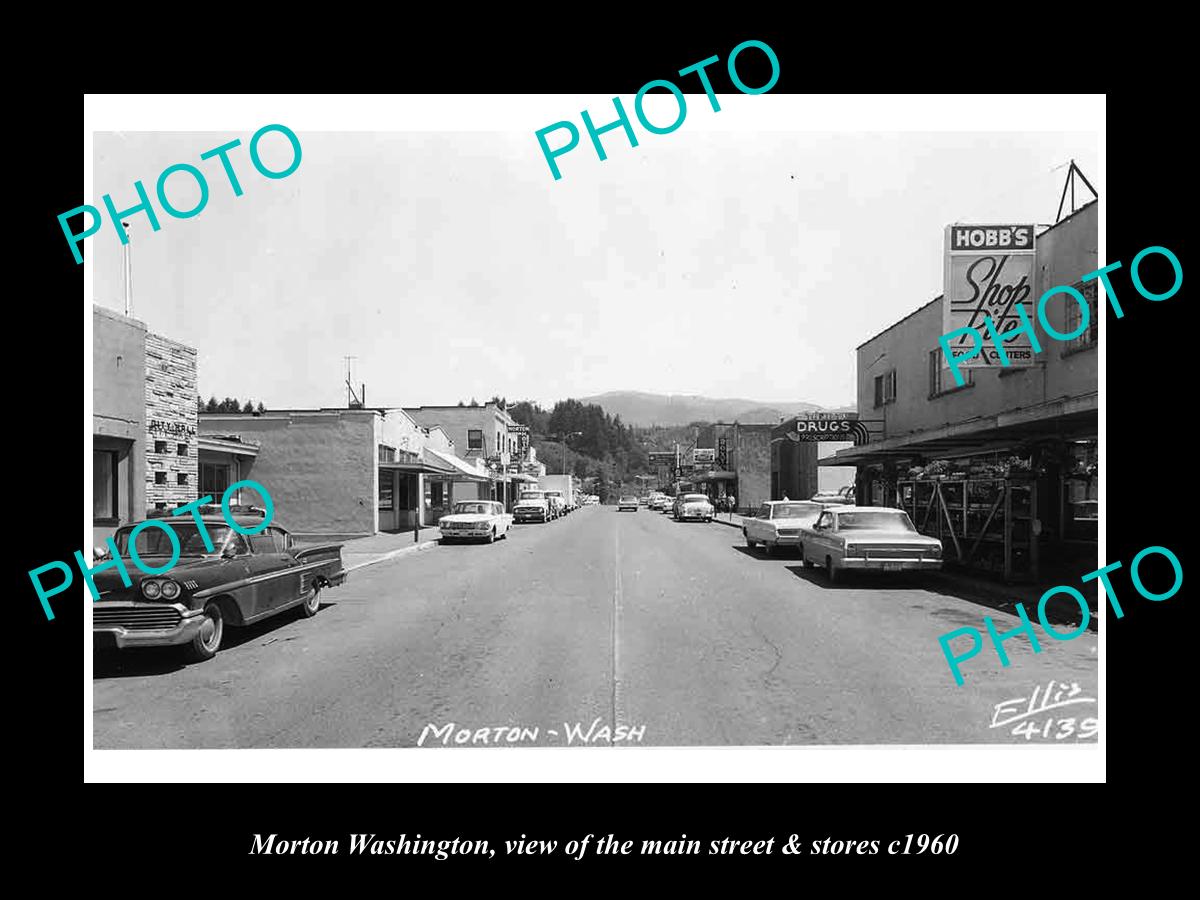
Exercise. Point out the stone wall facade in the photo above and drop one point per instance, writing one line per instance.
(172, 470)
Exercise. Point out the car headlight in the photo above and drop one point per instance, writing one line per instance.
(170, 590)
(851, 550)
(936, 552)
(151, 590)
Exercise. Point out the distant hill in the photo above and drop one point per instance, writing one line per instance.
(642, 409)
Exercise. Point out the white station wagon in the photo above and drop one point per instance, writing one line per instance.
(480, 520)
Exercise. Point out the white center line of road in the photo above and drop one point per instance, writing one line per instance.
(616, 627)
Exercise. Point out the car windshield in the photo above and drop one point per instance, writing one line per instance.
(532, 495)
(629, 499)
(478, 509)
(795, 510)
(694, 498)
(153, 541)
(882, 520)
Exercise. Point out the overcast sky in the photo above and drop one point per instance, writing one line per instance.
(724, 264)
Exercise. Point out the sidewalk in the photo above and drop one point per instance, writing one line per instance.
(367, 551)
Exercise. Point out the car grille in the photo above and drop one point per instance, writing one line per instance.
(137, 618)
(895, 552)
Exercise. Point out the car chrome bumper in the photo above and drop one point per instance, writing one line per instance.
(526, 516)
(131, 634)
(891, 565)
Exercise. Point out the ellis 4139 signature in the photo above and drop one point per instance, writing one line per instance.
(1024, 714)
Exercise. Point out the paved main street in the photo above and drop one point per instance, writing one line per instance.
(627, 618)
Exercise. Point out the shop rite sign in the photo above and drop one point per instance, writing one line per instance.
(989, 273)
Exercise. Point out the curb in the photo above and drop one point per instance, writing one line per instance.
(727, 522)
(391, 554)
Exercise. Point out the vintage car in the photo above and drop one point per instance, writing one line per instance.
(558, 503)
(235, 580)
(532, 506)
(475, 520)
(627, 502)
(879, 538)
(657, 501)
(693, 506)
(778, 523)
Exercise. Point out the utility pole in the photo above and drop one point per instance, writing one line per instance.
(127, 271)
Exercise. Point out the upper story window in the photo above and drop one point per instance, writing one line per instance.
(475, 439)
(885, 388)
(1074, 317)
(940, 379)
(387, 453)
(160, 446)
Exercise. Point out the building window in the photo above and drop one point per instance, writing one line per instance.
(475, 439)
(105, 494)
(160, 446)
(1091, 334)
(386, 490)
(160, 477)
(181, 477)
(387, 454)
(885, 388)
(213, 479)
(940, 379)
(181, 449)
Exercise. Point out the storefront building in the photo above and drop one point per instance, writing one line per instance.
(734, 460)
(1002, 468)
(484, 434)
(341, 473)
(144, 426)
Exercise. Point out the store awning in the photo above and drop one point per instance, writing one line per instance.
(414, 468)
(714, 475)
(454, 466)
(226, 444)
(1068, 418)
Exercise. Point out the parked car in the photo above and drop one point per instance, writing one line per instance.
(878, 538)
(558, 505)
(778, 523)
(657, 502)
(480, 520)
(693, 506)
(532, 506)
(235, 580)
(627, 502)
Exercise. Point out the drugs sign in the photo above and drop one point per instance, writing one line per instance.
(988, 274)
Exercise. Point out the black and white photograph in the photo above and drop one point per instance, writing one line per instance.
(494, 428)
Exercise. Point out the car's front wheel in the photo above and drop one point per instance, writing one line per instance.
(491, 538)
(206, 644)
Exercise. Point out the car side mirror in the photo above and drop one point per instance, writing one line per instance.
(99, 552)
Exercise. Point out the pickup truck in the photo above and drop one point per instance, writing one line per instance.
(533, 506)
(220, 578)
